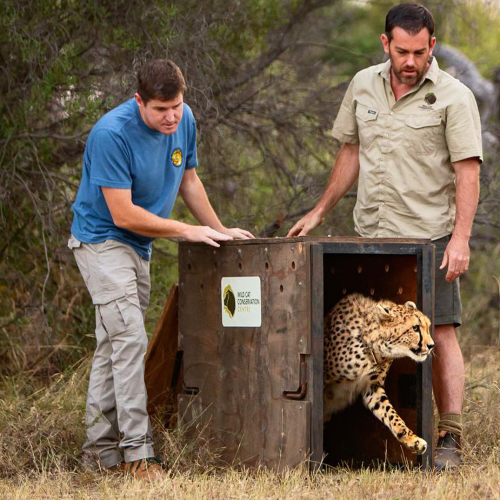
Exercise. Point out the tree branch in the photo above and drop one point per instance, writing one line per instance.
(279, 47)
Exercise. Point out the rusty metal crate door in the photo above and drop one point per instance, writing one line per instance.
(399, 272)
(245, 388)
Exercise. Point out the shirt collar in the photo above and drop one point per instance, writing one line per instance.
(384, 70)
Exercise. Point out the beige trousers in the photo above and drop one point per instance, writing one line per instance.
(118, 425)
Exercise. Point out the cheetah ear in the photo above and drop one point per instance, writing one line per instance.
(384, 313)
(411, 305)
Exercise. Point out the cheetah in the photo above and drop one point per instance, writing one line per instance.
(362, 338)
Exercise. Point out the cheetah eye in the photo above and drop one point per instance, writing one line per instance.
(416, 328)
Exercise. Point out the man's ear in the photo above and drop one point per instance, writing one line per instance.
(138, 100)
(385, 42)
(432, 45)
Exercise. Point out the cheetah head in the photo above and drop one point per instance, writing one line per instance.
(404, 331)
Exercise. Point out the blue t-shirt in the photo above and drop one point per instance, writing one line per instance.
(123, 152)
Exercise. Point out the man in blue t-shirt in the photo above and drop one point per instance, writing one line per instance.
(137, 158)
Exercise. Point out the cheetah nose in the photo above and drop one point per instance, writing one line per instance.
(430, 346)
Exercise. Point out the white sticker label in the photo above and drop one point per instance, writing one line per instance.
(241, 302)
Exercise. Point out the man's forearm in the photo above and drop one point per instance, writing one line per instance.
(128, 216)
(195, 197)
(467, 196)
(344, 174)
(141, 221)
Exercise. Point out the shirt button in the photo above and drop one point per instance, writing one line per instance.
(386, 135)
(392, 113)
(382, 204)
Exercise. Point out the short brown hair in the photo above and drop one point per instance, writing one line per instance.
(160, 79)
(412, 17)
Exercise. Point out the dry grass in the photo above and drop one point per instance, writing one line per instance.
(41, 436)
(471, 482)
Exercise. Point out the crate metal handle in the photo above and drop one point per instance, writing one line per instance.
(301, 392)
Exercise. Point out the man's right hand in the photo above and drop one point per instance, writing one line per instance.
(306, 224)
(204, 234)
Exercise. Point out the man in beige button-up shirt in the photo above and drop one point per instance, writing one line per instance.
(411, 134)
(407, 149)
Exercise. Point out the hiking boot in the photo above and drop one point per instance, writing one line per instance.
(448, 453)
(149, 469)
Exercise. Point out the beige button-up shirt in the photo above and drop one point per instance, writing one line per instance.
(406, 182)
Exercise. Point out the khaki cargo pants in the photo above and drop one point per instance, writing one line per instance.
(118, 425)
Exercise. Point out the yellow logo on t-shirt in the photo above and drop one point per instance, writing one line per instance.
(177, 157)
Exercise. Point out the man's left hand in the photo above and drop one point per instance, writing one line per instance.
(456, 257)
(237, 233)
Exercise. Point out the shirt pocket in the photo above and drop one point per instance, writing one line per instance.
(422, 132)
(367, 119)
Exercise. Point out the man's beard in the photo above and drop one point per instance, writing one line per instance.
(408, 79)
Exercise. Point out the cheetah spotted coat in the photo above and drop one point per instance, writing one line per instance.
(362, 338)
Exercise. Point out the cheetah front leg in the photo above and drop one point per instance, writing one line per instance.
(376, 400)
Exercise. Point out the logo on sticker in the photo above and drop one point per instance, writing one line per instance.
(241, 301)
(229, 301)
(372, 112)
(176, 157)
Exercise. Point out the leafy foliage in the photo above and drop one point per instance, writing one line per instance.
(265, 79)
(64, 64)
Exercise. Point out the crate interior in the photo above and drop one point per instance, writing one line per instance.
(355, 436)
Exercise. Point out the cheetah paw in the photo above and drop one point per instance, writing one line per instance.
(418, 446)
